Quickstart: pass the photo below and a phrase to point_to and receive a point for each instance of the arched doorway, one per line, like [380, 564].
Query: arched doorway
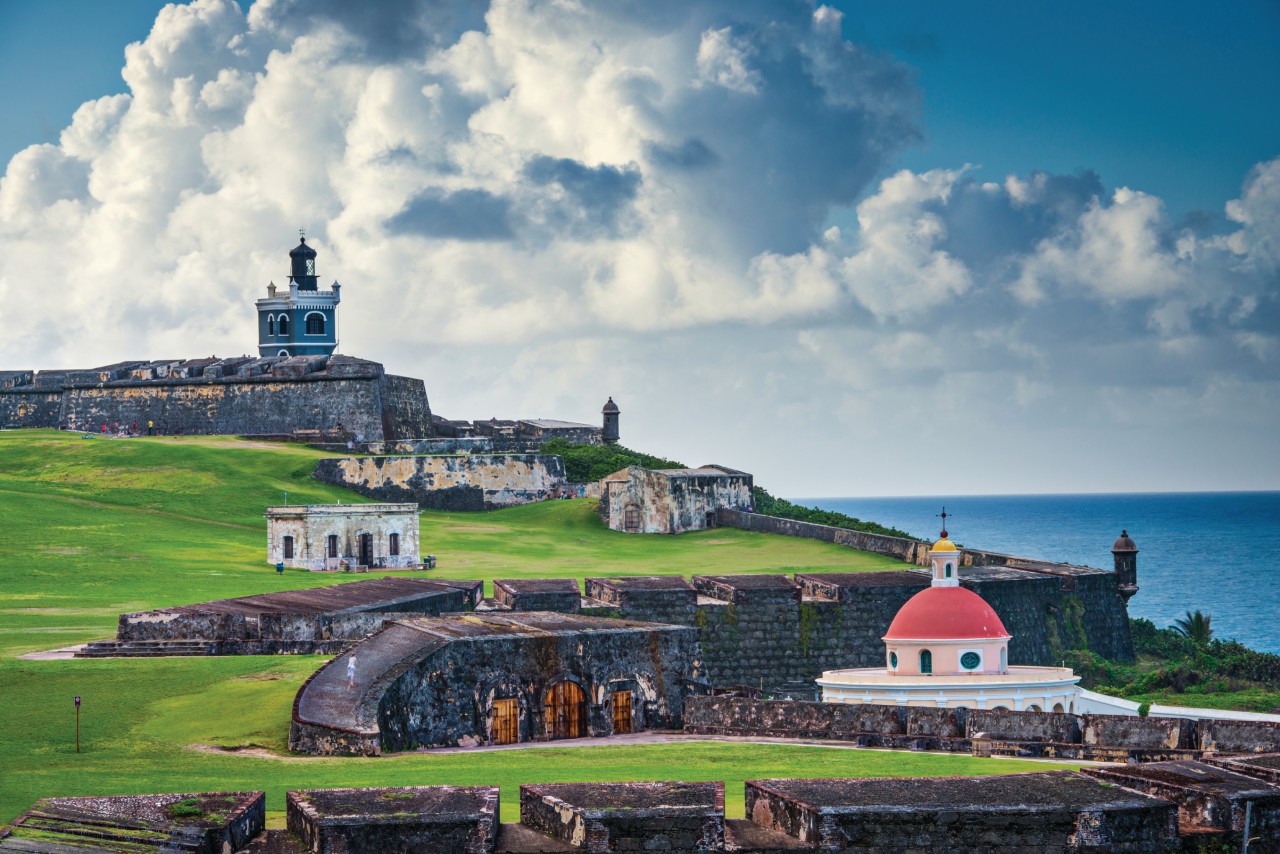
[566, 710]
[366, 550]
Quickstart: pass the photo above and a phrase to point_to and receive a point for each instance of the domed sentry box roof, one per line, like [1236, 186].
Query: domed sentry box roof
[610, 406]
[1124, 544]
[946, 613]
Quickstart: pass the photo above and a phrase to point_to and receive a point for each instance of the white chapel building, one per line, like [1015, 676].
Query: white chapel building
[947, 648]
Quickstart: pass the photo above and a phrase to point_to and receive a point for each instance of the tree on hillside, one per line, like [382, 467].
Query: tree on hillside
[1195, 626]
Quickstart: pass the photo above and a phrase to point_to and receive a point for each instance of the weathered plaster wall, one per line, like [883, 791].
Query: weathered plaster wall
[312, 526]
[472, 482]
[671, 504]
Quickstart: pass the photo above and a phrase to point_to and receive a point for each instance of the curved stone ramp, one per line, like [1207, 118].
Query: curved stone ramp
[331, 718]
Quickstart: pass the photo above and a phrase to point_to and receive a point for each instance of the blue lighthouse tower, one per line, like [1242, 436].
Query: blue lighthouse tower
[302, 321]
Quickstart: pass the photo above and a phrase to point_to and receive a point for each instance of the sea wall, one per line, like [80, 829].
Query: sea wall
[472, 482]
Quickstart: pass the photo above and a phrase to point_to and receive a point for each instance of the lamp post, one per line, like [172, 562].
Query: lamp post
[77, 724]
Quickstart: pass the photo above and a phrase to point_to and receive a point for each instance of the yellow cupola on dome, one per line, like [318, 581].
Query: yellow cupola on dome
[944, 545]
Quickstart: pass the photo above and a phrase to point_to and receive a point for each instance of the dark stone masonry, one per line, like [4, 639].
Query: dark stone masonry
[1054, 811]
[336, 396]
[629, 816]
[415, 818]
[481, 678]
[1163, 808]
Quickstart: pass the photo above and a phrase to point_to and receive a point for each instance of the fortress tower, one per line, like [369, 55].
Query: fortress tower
[1125, 552]
[609, 431]
[302, 321]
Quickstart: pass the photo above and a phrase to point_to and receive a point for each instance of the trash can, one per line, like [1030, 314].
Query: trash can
[280, 568]
[431, 561]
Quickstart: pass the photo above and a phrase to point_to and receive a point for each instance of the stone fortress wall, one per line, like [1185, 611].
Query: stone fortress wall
[276, 396]
[458, 482]
[774, 631]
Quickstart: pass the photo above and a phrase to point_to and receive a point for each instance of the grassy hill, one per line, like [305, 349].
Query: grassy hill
[90, 528]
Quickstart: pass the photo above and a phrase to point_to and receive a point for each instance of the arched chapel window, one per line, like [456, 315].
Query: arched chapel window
[926, 661]
[948, 570]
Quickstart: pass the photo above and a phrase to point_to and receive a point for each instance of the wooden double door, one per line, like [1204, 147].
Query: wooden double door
[566, 710]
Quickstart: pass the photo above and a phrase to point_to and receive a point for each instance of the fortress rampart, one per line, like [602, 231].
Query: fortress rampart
[470, 482]
[282, 396]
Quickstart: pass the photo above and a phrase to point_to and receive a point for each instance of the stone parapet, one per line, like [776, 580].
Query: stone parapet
[603, 817]
[439, 819]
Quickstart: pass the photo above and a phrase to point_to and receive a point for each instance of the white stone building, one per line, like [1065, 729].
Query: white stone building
[947, 648]
[341, 536]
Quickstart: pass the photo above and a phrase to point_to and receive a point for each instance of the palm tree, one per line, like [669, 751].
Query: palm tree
[1195, 626]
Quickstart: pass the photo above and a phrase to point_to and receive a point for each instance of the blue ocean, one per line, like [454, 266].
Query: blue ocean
[1212, 551]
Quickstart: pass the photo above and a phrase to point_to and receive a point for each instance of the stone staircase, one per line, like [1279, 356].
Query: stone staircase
[146, 649]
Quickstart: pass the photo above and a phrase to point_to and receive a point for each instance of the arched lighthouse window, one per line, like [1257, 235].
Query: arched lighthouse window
[315, 323]
[284, 325]
[271, 324]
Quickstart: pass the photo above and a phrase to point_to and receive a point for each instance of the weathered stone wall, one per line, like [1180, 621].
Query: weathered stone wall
[30, 408]
[242, 396]
[445, 698]
[1225, 736]
[472, 482]
[439, 819]
[406, 414]
[911, 551]
[604, 817]
[671, 503]
[1101, 737]
[1057, 811]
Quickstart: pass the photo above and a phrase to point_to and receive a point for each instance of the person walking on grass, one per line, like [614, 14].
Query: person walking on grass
[351, 673]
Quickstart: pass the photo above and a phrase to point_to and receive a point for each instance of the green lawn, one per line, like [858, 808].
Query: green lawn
[90, 528]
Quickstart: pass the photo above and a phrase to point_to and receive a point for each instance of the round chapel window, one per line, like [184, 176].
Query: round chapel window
[970, 661]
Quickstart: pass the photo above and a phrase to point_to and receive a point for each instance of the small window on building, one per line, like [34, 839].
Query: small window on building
[926, 661]
[315, 323]
[970, 661]
[1004, 660]
[948, 570]
[288, 548]
[631, 519]
[333, 545]
[393, 545]
[893, 660]
[284, 325]
[271, 324]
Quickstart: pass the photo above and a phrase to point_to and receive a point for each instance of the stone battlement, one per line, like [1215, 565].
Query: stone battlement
[336, 396]
[1164, 807]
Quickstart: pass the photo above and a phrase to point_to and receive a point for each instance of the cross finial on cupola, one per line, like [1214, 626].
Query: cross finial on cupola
[944, 514]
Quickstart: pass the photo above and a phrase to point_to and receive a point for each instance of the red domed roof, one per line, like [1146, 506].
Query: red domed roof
[946, 613]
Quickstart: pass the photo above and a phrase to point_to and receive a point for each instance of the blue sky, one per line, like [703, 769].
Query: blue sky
[1174, 98]
[750, 222]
